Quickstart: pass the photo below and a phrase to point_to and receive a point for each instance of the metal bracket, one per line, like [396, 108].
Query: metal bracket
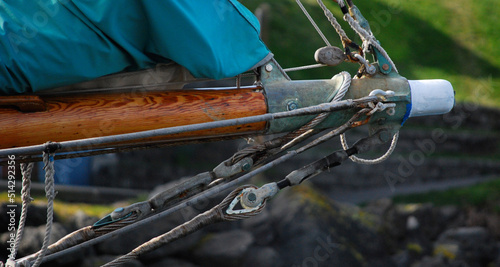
[384, 65]
[284, 95]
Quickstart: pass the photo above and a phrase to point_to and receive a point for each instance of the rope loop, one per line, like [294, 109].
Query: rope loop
[48, 160]
[244, 213]
[378, 160]
[26, 170]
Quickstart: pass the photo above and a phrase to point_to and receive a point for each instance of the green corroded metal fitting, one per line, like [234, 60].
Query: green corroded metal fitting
[382, 63]
[356, 14]
[283, 94]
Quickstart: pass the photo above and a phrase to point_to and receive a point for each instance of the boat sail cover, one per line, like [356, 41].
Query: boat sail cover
[49, 43]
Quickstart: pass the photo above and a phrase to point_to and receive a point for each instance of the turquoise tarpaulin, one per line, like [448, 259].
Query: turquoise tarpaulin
[49, 43]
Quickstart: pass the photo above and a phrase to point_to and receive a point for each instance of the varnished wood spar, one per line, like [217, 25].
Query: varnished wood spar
[28, 103]
[71, 117]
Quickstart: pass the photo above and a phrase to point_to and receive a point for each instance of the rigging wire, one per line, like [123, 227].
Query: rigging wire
[89, 142]
[307, 67]
[335, 24]
[209, 192]
[299, 3]
[368, 39]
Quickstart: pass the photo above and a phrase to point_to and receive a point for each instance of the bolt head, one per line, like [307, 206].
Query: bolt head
[269, 67]
[246, 167]
[292, 105]
[385, 67]
[252, 197]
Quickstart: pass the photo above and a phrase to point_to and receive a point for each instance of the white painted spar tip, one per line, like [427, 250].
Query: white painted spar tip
[431, 97]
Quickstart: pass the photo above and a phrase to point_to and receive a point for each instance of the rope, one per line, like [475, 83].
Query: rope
[87, 237]
[368, 38]
[307, 130]
[312, 22]
[214, 215]
[333, 21]
[48, 160]
[382, 158]
[96, 141]
[26, 198]
[258, 150]
[69, 240]
[121, 149]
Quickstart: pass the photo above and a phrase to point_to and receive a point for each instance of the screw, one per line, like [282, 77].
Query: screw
[246, 167]
[269, 67]
[292, 105]
[385, 67]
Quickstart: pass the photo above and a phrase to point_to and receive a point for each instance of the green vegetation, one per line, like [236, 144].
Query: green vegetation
[453, 40]
[483, 195]
[449, 251]
[65, 210]
[414, 247]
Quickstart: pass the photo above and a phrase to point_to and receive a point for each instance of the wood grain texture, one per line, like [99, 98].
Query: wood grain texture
[25, 103]
[71, 117]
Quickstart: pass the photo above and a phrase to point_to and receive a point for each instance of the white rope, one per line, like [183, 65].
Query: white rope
[346, 83]
[312, 22]
[26, 198]
[333, 20]
[345, 86]
[382, 158]
[368, 39]
[48, 160]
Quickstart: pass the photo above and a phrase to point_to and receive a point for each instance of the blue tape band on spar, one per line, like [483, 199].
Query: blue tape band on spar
[407, 114]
